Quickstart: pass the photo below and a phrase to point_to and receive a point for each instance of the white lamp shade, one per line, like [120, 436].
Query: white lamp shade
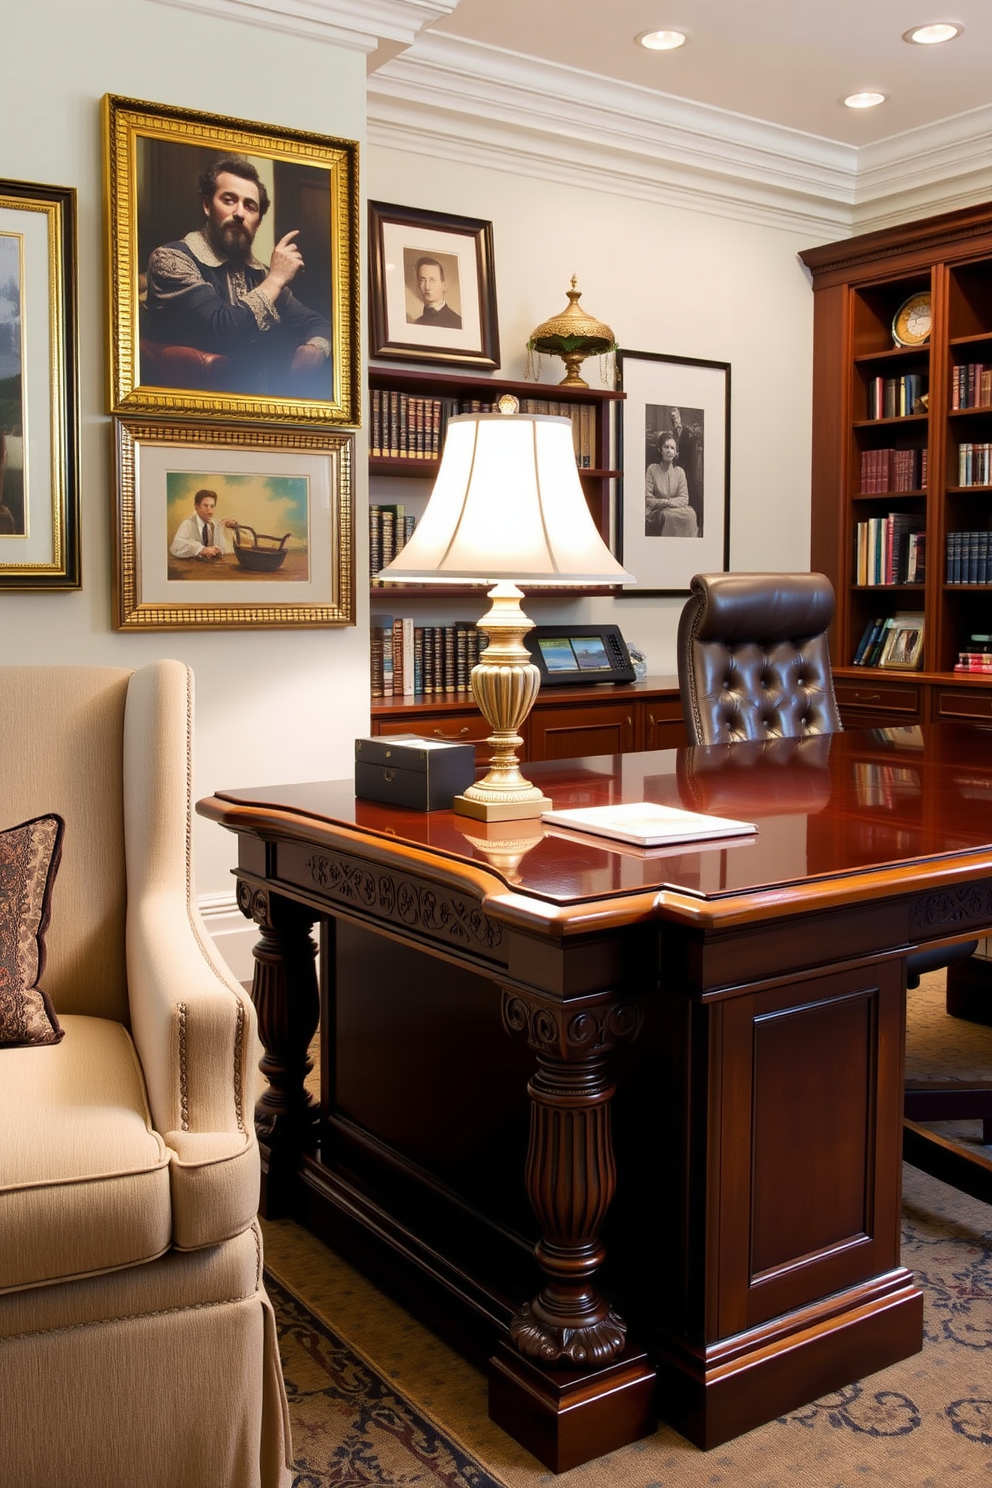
[507, 504]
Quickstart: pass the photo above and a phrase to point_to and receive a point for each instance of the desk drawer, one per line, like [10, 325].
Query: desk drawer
[455, 728]
[963, 702]
[873, 696]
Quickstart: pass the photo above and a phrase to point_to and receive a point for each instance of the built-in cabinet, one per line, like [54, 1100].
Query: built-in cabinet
[565, 722]
[903, 433]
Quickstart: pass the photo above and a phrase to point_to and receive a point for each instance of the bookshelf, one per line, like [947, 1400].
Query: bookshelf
[902, 459]
[408, 411]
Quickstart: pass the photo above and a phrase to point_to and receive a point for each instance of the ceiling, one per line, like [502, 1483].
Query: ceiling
[787, 62]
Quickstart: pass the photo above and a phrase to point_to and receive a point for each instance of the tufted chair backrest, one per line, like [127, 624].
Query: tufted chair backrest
[753, 658]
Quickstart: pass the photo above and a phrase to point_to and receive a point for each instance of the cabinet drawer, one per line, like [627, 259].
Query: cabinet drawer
[963, 702]
[457, 728]
[870, 695]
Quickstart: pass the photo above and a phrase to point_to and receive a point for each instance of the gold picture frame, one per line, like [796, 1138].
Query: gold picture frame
[903, 650]
[195, 328]
[279, 548]
[39, 491]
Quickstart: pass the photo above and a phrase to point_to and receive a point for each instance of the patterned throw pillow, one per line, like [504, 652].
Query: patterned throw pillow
[29, 860]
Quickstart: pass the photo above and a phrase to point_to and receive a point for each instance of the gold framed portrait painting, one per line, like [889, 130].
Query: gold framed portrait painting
[233, 267]
[221, 528]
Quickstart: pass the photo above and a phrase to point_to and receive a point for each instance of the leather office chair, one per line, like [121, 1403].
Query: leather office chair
[754, 664]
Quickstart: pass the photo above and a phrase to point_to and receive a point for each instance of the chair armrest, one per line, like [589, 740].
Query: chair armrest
[192, 1023]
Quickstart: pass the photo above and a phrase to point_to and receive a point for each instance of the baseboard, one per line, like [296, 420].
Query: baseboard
[230, 932]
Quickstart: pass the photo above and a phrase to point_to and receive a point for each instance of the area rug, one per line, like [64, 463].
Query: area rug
[376, 1399]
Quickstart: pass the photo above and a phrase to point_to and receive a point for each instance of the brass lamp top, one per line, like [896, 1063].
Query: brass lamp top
[573, 335]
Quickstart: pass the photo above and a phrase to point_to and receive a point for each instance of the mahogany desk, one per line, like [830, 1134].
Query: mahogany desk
[705, 1046]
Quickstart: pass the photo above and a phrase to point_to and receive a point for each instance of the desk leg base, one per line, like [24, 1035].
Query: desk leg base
[713, 1397]
[565, 1417]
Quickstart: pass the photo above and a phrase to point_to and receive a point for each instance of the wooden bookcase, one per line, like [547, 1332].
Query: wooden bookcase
[408, 479]
[859, 284]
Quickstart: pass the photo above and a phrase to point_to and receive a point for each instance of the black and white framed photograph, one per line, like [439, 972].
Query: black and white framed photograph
[432, 287]
[673, 509]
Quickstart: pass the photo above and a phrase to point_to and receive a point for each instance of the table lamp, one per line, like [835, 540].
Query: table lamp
[507, 508]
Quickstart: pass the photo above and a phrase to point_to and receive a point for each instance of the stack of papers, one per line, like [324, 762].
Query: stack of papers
[648, 825]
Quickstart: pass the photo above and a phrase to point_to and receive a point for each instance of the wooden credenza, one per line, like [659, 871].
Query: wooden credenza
[565, 722]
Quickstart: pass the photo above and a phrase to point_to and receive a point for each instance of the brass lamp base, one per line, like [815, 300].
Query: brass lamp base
[505, 684]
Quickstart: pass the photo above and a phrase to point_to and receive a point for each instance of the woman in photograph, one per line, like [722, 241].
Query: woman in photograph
[667, 512]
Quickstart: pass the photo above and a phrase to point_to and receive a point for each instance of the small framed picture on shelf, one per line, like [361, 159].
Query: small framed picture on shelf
[673, 517]
[234, 267]
[222, 528]
[432, 288]
[903, 650]
[39, 495]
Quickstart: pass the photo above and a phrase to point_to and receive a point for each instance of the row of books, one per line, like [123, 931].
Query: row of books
[884, 634]
[896, 397]
[974, 661]
[390, 526]
[405, 427]
[893, 470]
[409, 660]
[969, 557]
[971, 385]
[974, 464]
[890, 550]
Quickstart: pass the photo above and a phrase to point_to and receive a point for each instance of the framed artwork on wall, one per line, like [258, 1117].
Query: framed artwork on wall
[432, 287]
[39, 494]
[234, 272]
[673, 509]
[220, 528]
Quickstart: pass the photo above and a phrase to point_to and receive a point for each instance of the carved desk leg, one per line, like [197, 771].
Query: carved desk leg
[597, 1392]
[284, 991]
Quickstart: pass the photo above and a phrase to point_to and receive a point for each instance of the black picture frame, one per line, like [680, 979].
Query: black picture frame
[661, 538]
[39, 417]
[465, 332]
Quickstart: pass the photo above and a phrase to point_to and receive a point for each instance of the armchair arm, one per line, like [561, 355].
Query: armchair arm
[193, 1024]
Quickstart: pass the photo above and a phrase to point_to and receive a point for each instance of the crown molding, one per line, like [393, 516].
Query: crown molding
[923, 171]
[455, 99]
[359, 25]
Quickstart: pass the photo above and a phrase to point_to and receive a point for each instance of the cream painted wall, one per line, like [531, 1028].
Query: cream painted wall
[270, 706]
[666, 280]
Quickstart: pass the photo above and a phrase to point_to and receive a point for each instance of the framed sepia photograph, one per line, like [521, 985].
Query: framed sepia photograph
[221, 528]
[432, 287]
[39, 493]
[673, 508]
[234, 269]
[903, 649]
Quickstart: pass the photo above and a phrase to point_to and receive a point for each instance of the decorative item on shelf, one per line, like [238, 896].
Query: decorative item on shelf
[572, 335]
[507, 507]
[912, 322]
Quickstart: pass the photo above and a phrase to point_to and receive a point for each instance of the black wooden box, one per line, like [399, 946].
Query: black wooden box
[405, 770]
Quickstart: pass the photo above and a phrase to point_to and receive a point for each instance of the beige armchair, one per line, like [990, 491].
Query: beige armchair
[137, 1344]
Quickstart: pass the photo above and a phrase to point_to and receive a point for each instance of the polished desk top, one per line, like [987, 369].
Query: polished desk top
[871, 812]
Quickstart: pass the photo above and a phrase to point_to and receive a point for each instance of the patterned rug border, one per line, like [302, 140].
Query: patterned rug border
[474, 1474]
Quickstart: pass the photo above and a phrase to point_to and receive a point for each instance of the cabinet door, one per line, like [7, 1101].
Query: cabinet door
[660, 724]
[563, 732]
[456, 728]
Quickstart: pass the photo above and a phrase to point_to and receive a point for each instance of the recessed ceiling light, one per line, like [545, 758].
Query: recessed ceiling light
[661, 41]
[933, 34]
[863, 100]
